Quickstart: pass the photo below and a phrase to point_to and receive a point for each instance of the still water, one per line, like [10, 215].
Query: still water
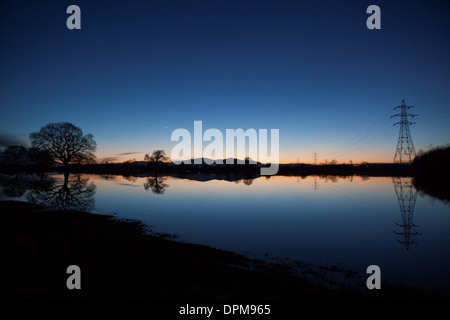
[350, 222]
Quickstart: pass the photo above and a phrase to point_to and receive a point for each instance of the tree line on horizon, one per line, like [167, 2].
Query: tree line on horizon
[65, 144]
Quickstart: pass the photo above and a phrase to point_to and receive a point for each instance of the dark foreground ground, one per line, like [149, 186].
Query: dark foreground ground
[118, 259]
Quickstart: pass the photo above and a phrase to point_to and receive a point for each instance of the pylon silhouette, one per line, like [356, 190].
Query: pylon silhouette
[405, 151]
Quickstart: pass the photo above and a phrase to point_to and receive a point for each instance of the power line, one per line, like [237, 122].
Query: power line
[362, 135]
[426, 106]
[369, 144]
[366, 140]
[441, 89]
[431, 107]
[433, 119]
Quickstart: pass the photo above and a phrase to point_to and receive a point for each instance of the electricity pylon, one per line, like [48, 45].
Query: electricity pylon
[405, 148]
[406, 196]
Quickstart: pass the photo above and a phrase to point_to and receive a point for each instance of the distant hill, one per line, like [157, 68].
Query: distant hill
[193, 161]
[224, 161]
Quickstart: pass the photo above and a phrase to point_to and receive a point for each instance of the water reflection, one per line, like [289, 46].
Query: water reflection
[76, 193]
[156, 184]
[14, 186]
[108, 176]
[406, 196]
[130, 178]
[316, 184]
[73, 193]
[319, 218]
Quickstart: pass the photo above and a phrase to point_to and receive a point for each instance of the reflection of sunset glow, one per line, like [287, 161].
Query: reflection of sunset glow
[314, 218]
[274, 184]
[285, 157]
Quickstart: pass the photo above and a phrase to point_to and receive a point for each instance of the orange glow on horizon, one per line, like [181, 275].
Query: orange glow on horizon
[283, 159]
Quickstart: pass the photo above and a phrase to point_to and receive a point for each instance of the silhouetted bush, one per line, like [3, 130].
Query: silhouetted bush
[435, 161]
[432, 171]
[20, 159]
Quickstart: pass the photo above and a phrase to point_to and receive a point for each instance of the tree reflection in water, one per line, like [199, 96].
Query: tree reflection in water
[74, 193]
[14, 186]
[17, 185]
[156, 184]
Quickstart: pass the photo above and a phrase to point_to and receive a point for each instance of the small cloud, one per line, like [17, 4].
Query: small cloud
[128, 153]
[117, 157]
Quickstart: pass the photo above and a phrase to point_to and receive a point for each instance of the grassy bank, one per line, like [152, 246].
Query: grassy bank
[119, 259]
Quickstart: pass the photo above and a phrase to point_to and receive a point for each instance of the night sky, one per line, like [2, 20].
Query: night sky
[137, 70]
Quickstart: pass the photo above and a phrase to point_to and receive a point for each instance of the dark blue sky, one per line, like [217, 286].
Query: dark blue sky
[137, 70]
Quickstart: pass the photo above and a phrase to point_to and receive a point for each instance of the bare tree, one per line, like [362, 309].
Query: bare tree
[65, 143]
[156, 157]
[333, 162]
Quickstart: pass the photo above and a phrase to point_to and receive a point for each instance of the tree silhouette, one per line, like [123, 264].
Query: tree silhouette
[65, 143]
[15, 156]
[333, 162]
[155, 158]
[39, 157]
